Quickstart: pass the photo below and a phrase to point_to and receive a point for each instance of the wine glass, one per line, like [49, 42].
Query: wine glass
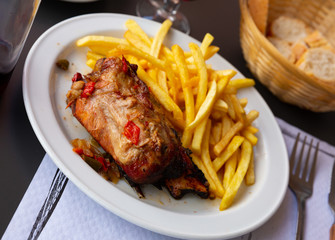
[160, 10]
[16, 19]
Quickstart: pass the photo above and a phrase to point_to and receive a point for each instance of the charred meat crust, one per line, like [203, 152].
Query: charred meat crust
[192, 180]
[120, 96]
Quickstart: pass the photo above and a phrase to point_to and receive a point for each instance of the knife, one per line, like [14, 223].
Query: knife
[55, 192]
[331, 202]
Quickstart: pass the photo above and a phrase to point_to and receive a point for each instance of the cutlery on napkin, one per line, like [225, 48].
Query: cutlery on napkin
[76, 216]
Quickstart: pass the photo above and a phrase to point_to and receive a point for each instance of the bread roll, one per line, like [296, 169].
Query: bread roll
[319, 63]
[259, 13]
[289, 29]
[283, 47]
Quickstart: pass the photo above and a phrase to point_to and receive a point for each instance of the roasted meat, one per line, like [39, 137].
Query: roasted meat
[121, 114]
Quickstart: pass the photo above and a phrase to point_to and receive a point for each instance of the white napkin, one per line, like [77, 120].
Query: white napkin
[76, 216]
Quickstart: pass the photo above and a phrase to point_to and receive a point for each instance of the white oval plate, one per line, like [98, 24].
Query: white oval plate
[44, 90]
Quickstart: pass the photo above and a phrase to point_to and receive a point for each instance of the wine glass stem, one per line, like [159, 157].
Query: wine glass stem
[171, 6]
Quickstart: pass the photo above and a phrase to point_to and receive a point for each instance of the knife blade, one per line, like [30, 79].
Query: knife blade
[331, 202]
[55, 192]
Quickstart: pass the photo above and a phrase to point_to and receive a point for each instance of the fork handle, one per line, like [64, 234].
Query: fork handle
[332, 232]
[301, 217]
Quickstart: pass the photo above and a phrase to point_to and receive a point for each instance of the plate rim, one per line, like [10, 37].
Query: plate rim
[83, 187]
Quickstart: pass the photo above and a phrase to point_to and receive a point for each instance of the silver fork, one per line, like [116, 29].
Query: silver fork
[301, 179]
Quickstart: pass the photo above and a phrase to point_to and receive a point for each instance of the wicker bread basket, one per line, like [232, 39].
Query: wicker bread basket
[281, 77]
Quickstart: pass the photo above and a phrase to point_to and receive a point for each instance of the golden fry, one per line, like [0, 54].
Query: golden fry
[230, 90]
[227, 137]
[94, 56]
[137, 30]
[181, 64]
[216, 132]
[167, 54]
[208, 162]
[198, 136]
[241, 83]
[161, 80]
[238, 109]
[220, 105]
[136, 41]
[188, 95]
[252, 129]
[229, 73]
[229, 169]
[231, 109]
[226, 124]
[250, 175]
[211, 50]
[206, 42]
[222, 84]
[228, 152]
[206, 107]
[243, 102]
[216, 115]
[158, 39]
[192, 68]
[127, 49]
[251, 116]
[203, 80]
[197, 161]
[192, 82]
[101, 50]
[91, 62]
[104, 41]
[153, 74]
[250, 136]
[228, 197]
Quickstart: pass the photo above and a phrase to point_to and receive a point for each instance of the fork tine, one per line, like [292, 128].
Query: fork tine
[306, 167]
[298, 168]
[311, 176]
[294, 150]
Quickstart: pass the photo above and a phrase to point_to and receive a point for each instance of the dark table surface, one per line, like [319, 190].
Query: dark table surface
[21, 152]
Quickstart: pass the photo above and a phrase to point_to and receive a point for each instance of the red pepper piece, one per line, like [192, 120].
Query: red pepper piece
[125, 65]
[88, 89]
[78, 150]
[132, 132]
[76, 77]
[103, 162]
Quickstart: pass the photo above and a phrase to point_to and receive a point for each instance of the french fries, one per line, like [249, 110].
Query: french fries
[187, 91]
[101, 41]
[246, 153]
[201, 102]
[158, 40]
[205, 108]
[202, 72]
[228, 152]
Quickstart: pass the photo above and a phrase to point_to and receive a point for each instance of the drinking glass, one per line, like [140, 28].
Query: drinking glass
[16, 18]
[160, 10]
